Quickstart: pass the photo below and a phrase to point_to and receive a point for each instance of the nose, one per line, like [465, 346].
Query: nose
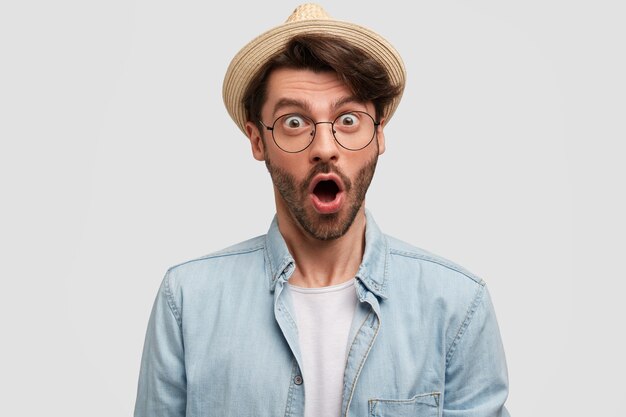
[324, 147]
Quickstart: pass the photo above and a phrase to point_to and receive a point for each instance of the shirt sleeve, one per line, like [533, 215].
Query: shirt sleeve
[162, 387]
[476, 373]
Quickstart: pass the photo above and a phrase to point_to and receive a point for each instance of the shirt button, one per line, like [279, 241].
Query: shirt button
[298, 380]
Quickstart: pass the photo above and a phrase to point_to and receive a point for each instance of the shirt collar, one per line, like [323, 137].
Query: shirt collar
[372, 271]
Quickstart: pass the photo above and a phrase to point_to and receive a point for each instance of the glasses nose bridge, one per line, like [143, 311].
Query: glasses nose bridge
[332, 128]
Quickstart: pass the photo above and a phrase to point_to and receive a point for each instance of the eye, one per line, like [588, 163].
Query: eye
[348, 120]
[294, 121]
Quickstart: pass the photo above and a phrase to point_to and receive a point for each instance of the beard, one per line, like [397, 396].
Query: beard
[295, 195]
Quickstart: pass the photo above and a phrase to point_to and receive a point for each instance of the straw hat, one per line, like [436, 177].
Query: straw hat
[306, 19]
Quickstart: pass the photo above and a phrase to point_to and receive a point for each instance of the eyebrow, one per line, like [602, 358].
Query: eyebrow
[289, 102]
[348, 99]
[305, 105]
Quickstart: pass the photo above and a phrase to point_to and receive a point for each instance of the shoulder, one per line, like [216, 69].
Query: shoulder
[408, 253]
[411, 262]
[217, 264]
[443, 291]
[249, 246]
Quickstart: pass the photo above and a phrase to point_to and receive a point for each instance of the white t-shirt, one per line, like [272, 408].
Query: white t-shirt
[324, 316]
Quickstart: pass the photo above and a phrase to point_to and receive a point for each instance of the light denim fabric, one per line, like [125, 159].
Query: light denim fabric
[222, 339]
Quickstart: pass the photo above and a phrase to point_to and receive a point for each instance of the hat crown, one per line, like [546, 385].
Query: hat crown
[308, 11]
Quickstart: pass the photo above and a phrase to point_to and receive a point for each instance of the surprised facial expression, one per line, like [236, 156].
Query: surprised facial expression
[321, 188]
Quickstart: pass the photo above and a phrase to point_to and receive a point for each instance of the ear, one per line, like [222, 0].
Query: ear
[256, 141]
[380, 137]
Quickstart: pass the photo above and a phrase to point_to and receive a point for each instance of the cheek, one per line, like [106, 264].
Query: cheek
[289, 163]
[357, 164]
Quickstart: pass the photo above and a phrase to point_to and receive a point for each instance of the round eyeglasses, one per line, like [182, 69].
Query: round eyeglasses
[294, 132]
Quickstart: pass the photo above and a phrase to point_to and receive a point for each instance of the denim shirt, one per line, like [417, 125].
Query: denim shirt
[222, 339]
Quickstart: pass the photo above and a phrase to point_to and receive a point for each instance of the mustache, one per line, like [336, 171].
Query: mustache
[326, 168]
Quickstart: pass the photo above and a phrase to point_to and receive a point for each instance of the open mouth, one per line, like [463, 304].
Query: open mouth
[326, 191]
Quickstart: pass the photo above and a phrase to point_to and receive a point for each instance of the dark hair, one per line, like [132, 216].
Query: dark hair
[364, 75]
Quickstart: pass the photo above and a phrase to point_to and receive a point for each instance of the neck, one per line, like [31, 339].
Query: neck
[321, 263]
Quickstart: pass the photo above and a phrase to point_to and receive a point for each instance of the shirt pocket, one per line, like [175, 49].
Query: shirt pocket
[422, 405]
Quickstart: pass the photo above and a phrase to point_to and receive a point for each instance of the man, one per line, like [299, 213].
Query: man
[325, 315]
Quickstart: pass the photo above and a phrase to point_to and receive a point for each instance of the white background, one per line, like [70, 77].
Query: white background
[118, 160]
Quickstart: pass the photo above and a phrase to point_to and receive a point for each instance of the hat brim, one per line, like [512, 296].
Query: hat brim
[256, 53]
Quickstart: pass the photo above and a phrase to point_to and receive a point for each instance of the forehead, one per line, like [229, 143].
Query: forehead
[316, 91]
[290, 79]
